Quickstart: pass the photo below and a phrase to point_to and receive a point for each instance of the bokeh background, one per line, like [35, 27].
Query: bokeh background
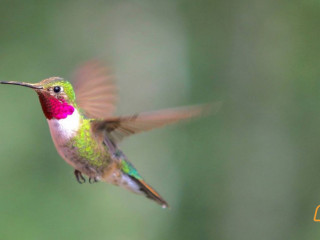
[249, 172]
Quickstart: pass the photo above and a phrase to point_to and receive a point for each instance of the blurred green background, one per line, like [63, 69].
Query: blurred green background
[249, 172]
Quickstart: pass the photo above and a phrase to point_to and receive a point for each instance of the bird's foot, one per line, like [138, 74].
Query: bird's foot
[79, 176]
[93, 180]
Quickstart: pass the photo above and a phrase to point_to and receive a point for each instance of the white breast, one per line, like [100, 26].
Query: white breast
[64, 129]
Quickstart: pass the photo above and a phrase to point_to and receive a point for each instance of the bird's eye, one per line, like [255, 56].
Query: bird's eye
[56, 89]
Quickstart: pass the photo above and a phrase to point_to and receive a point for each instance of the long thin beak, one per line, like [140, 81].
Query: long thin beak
[29, 85]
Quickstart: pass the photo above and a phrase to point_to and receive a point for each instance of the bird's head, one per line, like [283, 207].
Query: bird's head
[56, 96]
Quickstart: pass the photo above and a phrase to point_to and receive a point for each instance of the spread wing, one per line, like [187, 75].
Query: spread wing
[117, 128]
[95, 90]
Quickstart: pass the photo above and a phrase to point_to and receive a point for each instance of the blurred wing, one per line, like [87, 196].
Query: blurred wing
[118, 128]
[95, 90]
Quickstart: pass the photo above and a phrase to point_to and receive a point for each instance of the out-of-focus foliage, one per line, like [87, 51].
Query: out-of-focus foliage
[249, 172]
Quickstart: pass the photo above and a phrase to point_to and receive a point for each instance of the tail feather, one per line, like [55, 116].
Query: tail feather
[139, 185]
[150, 192]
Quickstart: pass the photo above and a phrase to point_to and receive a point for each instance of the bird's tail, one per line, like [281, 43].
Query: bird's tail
[132, 180]
[149, 192]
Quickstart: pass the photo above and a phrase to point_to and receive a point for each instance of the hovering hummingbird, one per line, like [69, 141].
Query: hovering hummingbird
[85, 132]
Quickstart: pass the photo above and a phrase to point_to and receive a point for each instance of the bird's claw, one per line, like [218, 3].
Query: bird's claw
[79, 176]
[81, 179]
[93, 180]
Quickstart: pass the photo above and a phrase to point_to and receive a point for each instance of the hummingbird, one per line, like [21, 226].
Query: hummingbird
[86, 133]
